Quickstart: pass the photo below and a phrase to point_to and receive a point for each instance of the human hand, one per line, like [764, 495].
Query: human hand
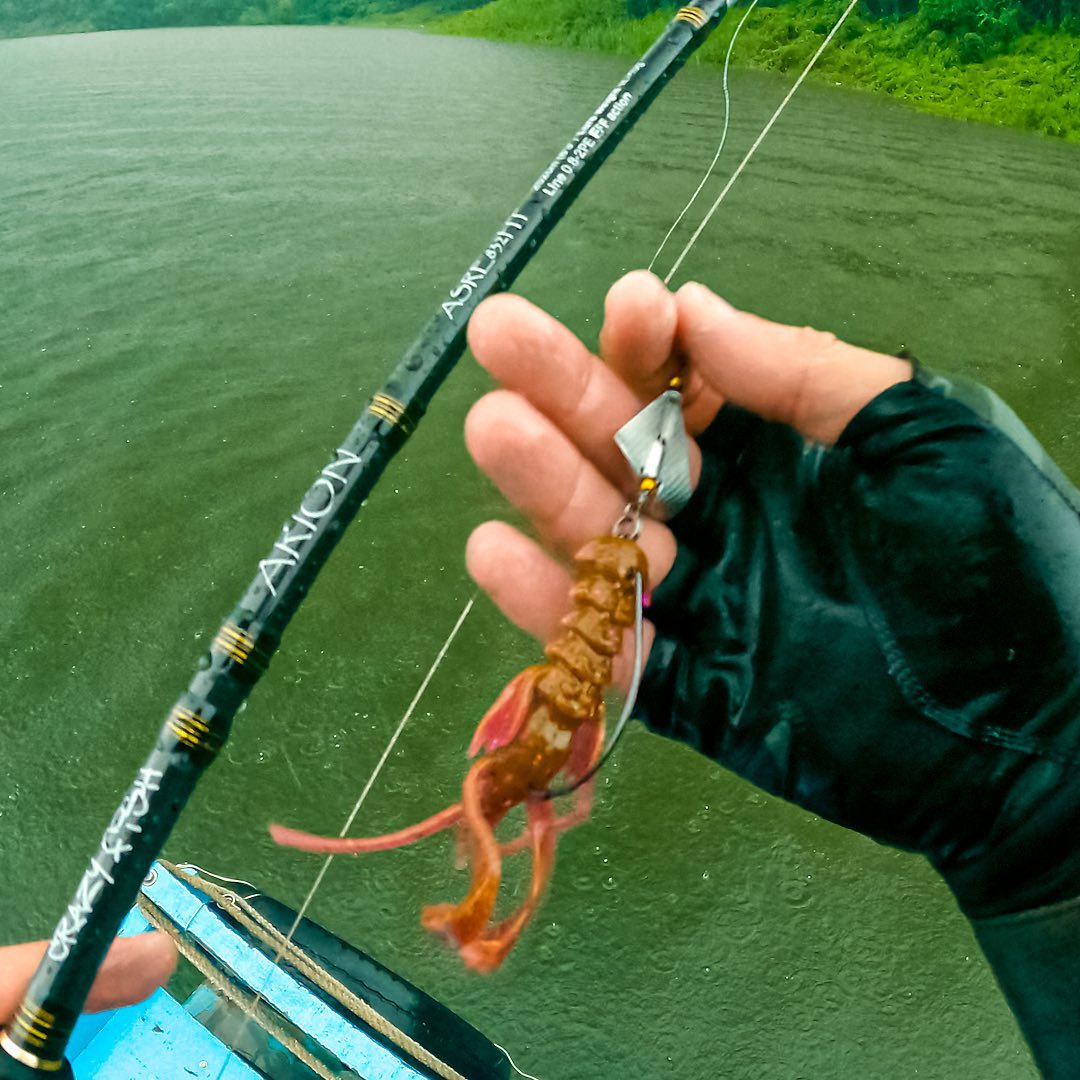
[133, 969]
[857, 608]
[547, 438]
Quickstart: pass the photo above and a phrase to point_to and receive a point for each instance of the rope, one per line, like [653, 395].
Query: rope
[760, 139]
[229, 990]
[264, 931]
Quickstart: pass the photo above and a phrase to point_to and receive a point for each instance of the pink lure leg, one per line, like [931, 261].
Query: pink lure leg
[502, 722]
[462, 922]
[355, 845]
[487, 952]
[586, 745]
[519, 843]
[579, 814]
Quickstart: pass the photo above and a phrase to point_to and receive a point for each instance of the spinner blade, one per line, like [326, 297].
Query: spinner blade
[655, 443]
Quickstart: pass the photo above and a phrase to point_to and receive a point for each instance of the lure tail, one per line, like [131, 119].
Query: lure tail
[359, 845]
[487, 950]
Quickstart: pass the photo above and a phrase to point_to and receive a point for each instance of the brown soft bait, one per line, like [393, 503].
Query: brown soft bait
[549, 720]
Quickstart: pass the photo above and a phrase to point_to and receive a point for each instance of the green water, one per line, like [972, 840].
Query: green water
[213, 245]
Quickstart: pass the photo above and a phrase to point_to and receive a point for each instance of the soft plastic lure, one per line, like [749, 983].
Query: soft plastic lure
[548, 720]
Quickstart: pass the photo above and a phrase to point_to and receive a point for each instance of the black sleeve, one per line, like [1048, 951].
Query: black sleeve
[887, 632]
[1035, 956]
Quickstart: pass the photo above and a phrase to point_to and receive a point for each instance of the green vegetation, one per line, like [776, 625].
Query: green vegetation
[1013, 62]
[1015, 70]
[19, 18]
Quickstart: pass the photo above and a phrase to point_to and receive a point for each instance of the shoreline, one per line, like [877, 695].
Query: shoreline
[1032, 85]
[1035, 86]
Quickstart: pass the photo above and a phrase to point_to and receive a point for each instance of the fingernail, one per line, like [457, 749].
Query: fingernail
[704, 295]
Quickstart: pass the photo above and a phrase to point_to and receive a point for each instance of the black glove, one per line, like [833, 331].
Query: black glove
[887, 632]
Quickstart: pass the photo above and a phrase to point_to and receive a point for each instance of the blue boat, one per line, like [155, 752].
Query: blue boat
[321, 1008]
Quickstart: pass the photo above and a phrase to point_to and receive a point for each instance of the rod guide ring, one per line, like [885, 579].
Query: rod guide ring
[24, 1057]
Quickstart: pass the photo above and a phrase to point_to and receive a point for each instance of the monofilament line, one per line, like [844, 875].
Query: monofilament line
[379, 765]
[671, 273]
[760, 139]
[317, 883]
[528, 1076]
[723, 139]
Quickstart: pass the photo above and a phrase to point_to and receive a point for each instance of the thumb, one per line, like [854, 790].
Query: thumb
[133, 969]
[792, 374]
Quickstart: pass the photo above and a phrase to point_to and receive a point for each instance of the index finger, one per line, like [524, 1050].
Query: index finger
[533, 354]
[640, 342]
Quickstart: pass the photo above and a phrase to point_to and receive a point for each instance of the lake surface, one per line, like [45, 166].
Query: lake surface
[213, 246]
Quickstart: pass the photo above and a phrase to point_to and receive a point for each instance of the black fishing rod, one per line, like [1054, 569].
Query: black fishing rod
[198, 724]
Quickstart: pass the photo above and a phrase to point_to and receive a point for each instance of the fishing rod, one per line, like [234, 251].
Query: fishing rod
[198, 724]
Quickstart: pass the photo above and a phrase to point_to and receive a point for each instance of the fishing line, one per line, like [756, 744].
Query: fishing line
[623, 719]
[631, 698]
[317, 883]
[635, 682]
[719, 150]
[760, 139]
[528, 1076]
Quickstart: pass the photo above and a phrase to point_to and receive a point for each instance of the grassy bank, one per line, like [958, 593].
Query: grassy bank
[1035, 85]
[962, 58]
